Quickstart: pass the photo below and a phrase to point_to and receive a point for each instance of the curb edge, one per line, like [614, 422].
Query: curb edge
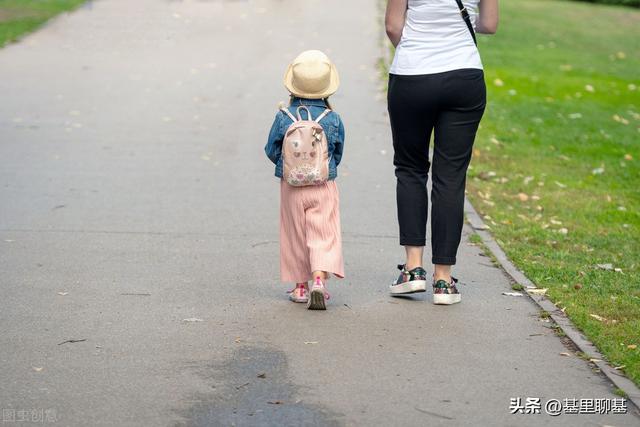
[561, 319]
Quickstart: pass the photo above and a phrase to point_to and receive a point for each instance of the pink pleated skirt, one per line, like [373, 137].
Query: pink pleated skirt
[310, 236]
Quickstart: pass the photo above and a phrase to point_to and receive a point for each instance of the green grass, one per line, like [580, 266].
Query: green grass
[18, 17]
[556, 164]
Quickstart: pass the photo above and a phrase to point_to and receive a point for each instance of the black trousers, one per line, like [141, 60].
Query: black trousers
[451, 105]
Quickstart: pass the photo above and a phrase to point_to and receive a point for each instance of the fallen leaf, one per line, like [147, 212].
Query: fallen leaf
[63, 293]
[620, 119]
[594, 360]
[565, 354]
[598, 318]
[37, 369]
[577, 286]
[597, 171]
[617, 368]
[632, 346]
[537, 291]
[512, 294]
[498, 82]
[607, 266]
[617, 270]
[628, 157]
[486, 175]
[561, 185]
[262, 375]
[589, 88]
[523, 197]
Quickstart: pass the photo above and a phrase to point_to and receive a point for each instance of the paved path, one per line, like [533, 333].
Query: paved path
[132, 181]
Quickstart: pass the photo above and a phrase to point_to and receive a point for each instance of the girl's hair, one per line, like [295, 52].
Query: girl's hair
[326, 101]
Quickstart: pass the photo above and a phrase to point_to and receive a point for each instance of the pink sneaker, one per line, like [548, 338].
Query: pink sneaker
[318, 296]
[299, 294]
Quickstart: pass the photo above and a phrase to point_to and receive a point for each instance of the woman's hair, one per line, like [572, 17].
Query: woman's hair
[326, 101]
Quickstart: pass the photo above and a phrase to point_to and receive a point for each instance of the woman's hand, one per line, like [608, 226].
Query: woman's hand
[394, 19]
[488, 19]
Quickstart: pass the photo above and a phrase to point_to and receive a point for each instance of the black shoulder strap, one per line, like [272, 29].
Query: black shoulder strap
[465, 15]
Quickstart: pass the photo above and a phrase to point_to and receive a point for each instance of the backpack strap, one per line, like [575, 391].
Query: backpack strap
[467, 20]
[323, 115]
[303, 107]
[288, 113]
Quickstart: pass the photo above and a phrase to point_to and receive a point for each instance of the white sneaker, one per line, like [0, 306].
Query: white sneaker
[446, 293]
[299, 294]
[409, 282]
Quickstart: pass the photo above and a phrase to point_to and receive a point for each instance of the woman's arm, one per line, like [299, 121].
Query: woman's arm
[394, 19]
[488, 19]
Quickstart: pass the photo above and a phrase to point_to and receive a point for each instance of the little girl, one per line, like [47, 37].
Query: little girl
[310, 242]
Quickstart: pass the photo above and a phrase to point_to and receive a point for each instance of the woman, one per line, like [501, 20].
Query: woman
[436, 83]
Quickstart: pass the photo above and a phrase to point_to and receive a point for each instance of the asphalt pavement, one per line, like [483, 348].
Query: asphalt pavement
[139, 241]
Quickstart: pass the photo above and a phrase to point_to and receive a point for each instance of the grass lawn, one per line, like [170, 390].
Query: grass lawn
[556, 168]
[18, 17]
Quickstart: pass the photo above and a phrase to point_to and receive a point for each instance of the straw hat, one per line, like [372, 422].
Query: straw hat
[312, 75]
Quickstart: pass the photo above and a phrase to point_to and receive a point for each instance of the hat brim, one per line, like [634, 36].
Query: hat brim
[334, 83]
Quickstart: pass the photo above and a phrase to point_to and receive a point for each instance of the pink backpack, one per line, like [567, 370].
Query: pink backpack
[305, 152]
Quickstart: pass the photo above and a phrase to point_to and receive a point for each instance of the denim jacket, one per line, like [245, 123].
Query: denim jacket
[332, 125]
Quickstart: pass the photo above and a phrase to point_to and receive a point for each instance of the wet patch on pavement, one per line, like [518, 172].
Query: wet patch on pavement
[252, 388]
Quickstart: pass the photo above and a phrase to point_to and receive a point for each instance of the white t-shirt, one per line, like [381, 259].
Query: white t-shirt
[436, 39]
